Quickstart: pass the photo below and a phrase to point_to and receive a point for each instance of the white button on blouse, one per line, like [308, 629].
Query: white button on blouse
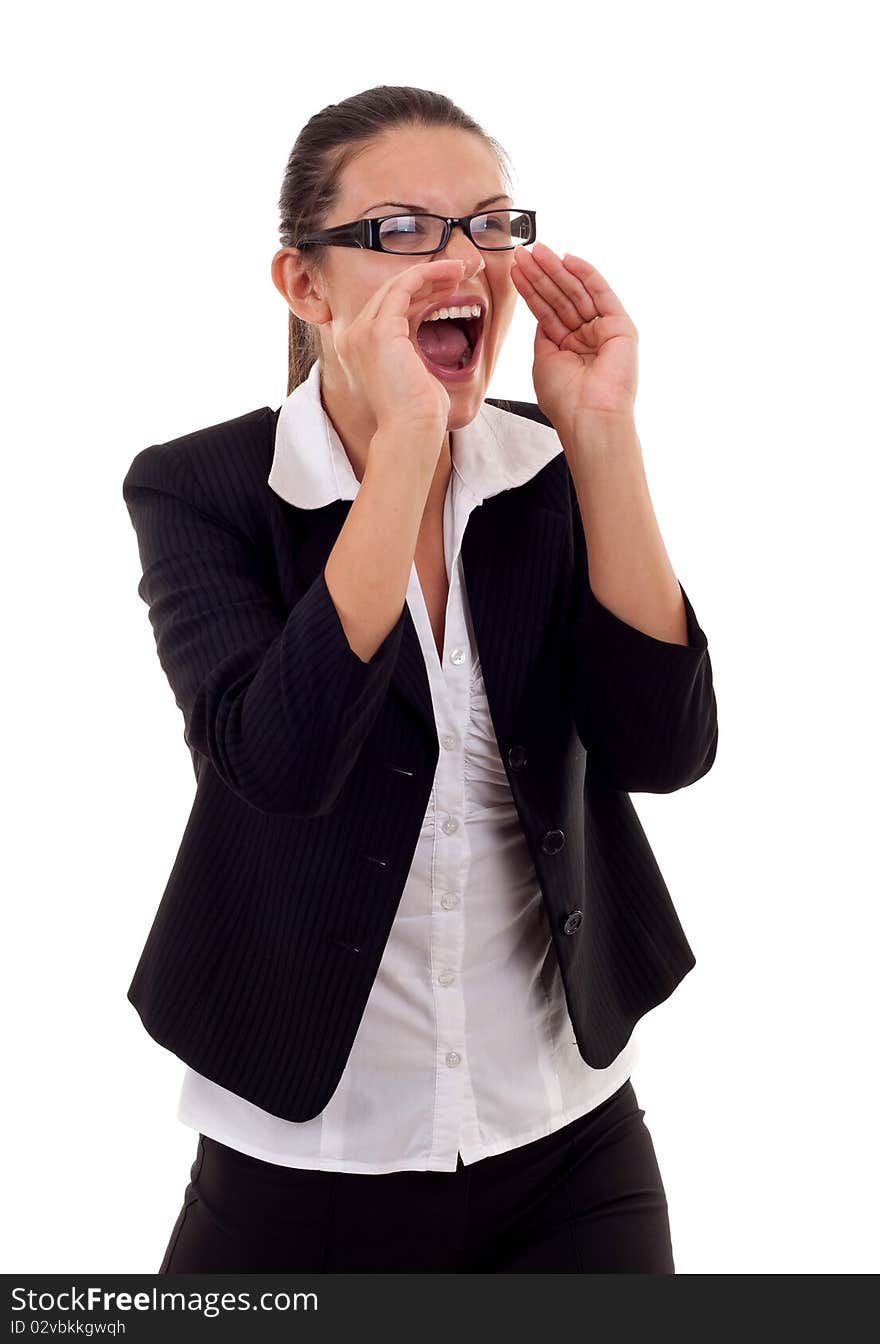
[466, 1046]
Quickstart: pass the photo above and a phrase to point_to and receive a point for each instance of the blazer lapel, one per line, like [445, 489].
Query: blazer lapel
[511, 568]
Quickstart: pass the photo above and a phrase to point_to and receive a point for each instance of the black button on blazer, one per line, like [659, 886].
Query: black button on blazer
[314, 768]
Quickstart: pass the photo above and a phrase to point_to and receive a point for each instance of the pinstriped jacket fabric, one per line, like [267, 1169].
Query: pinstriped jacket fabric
[314, 768]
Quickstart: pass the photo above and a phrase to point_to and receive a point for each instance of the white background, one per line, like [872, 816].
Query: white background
[716, 164]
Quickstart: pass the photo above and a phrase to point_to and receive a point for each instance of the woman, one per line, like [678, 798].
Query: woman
[414, 918]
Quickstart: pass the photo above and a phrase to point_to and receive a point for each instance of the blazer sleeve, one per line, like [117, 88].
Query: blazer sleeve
[644, 708]
[276, 700]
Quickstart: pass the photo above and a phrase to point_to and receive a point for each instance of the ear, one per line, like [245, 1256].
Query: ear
[295, 282]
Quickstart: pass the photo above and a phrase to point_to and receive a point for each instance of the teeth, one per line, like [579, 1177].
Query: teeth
[469, 310]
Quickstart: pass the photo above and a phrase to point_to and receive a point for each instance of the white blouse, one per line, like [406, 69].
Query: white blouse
[465, 1046]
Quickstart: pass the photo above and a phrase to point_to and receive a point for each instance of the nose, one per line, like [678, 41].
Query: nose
[460, 248]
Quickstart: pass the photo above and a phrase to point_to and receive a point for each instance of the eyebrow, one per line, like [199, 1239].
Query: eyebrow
[408, 205]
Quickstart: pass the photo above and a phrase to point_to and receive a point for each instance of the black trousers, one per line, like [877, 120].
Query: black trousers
[588, 1199]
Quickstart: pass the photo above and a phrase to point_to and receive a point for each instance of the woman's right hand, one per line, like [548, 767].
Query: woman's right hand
[377, 351]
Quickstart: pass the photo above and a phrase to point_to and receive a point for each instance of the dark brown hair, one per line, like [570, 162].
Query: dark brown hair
[324, 147]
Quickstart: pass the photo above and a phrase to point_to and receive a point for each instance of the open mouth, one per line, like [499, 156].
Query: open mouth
[450, 346]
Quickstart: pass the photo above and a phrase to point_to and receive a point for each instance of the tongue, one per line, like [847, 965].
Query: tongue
[443, 341]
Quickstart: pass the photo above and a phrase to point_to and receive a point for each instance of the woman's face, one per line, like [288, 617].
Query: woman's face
[443, 171]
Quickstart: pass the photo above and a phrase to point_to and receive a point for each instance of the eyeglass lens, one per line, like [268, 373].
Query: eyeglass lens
[424, 233]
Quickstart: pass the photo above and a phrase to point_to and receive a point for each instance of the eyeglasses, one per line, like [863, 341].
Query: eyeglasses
[418, 235]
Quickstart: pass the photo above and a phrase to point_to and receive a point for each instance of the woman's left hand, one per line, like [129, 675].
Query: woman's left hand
[585, 368]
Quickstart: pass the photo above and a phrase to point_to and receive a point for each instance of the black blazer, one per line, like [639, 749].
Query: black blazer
[314, 768]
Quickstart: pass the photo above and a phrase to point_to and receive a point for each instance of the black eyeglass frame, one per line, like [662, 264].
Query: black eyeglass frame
[365, 232]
